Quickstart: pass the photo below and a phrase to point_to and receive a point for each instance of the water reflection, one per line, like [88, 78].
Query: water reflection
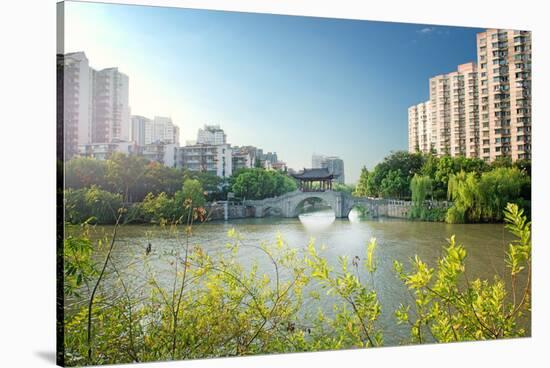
[318, 220]
[355, 216]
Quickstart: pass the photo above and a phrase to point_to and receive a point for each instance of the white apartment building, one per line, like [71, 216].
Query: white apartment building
[103, 151]
[111, 112]
[211, 134]
[159, 130]
[215, 159]
[420, 128]
[137, 129]
[165, 154]
[77, 100]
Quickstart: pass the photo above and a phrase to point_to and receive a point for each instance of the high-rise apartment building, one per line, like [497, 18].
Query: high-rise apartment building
[335, 166]
[483, 110]
[211, 134]
[317, 161]
[504, 58]
[77, 101]
[159, 130]
[138, 128]
[453, 111]
[420, 128]
[111, 112]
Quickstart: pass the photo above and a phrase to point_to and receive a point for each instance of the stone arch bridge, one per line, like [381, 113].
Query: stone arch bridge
[287, 205]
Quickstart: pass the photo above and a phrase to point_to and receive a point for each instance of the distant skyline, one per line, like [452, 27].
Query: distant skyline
[290, 84]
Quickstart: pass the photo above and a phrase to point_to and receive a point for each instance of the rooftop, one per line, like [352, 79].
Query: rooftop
[313, 174]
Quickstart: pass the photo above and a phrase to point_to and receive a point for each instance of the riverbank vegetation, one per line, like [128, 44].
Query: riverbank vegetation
[477, 191]
[214, 306]
[452, 189]
[152, 191]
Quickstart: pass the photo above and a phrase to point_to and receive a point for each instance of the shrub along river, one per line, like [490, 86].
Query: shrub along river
[397, 240]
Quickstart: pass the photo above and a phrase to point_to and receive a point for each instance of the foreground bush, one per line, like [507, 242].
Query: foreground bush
[448, 306]
[217, 307]
[91, 205]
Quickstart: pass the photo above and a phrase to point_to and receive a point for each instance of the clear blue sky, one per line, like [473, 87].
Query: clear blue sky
[294, 85]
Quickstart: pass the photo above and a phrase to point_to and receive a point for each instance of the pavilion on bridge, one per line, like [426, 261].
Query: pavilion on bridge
[308, 179]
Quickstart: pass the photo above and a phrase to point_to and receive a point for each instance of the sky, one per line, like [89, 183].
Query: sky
[289, 84]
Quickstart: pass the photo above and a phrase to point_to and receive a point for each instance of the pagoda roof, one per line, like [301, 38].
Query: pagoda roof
[314, 174]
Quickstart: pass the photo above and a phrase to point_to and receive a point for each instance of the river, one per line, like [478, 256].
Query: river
[397, 240]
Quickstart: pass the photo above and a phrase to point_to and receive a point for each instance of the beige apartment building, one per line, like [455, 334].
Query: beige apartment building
[504, 59]
[482, 110]
[453, 103]
[420, 128]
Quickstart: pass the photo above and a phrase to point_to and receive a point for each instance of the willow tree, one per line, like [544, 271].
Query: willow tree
[421, 188]
[463, 190]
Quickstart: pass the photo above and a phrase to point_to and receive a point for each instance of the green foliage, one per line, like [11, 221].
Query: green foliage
[355, 326]
[464, 192]
[163, 208]
[193, 192]
[392, 176]
[338, 187]
[214, 306]
[91, 205]
[484, 198]
[421, 188]
[448, 307]
[218, 307]
[77, 262]
[214, 186]
[362, 188]
[125, 172]
[393, 185]
[82, 172]
[447, 166]
[259, 184]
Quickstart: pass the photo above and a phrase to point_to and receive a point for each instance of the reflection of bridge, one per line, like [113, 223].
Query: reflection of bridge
[287, 205]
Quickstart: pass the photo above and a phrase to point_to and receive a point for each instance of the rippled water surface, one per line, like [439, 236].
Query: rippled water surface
[397, 240]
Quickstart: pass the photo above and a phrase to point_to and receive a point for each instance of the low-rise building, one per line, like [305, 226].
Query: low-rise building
[215, 159]
[165, 154]
[103, 151]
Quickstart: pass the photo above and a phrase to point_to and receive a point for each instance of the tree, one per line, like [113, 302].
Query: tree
[463, 190]
[448, 166]
[82, 172]
[193, 192]
[502, 161]
[421, 187]
[214, 186]
[362, 188]
[125, 172]
[93, 205]
[259, 184]
[403, 163]
[499, 187]
[393, 185]
[485, 197]
[338, 187]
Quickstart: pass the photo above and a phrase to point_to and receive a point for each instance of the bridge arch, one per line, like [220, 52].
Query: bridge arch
[287, 205]
[312, 199]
